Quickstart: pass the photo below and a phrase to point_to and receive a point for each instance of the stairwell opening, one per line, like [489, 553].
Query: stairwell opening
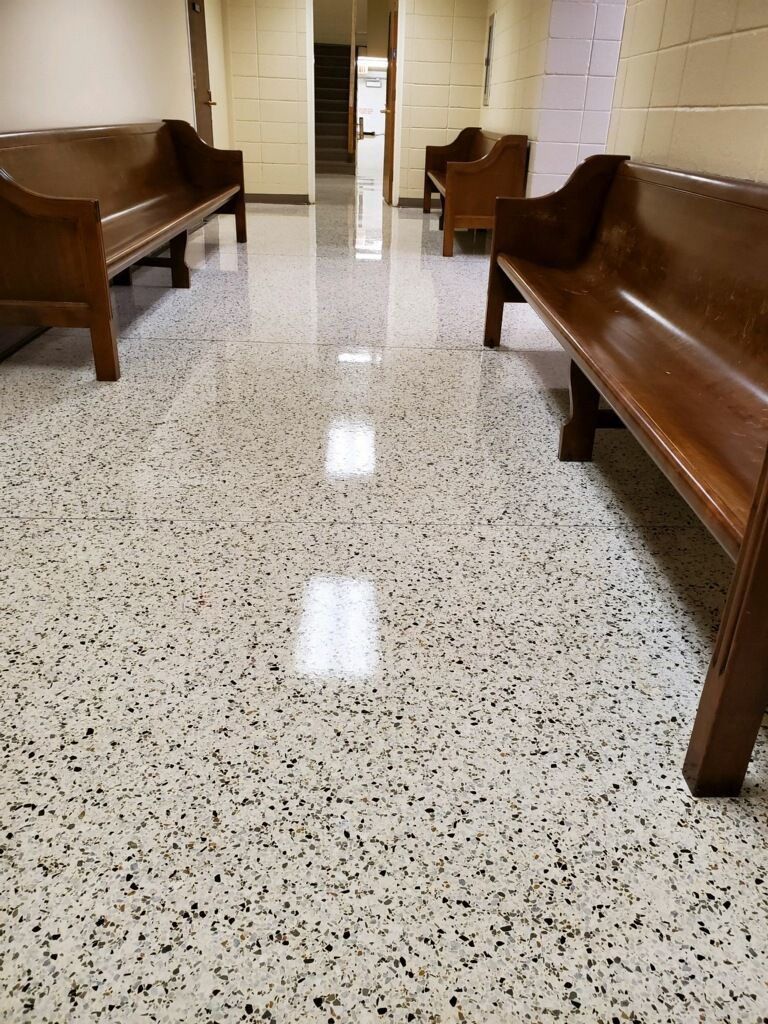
[332, 102]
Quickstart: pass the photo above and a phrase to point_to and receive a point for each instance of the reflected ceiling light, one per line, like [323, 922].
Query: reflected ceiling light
[354, 357]
[338, 633]
[351, 449]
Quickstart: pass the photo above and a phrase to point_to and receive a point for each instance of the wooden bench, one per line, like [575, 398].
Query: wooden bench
[80, 206]
[469, 174]
[656, 284]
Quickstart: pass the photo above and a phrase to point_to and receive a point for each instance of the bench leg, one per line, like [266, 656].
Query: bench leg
[179, 268]
[123, 278]
[104, 345]
[577, 437]
[241, 229]
[500, 291]
[427, 207]
[448, 229]
[735, 692]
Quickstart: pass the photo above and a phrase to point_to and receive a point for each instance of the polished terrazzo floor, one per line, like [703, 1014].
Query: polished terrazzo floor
[328, 693]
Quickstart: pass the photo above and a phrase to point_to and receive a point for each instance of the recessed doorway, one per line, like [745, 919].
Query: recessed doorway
[353, 90]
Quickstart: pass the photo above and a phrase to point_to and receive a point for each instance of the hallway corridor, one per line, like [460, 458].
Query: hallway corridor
[335, 697]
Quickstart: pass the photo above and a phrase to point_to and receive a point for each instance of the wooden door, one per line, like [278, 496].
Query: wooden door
[201, 82]
[389, 121]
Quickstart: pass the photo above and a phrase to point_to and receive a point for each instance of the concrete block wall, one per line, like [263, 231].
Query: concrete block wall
[552, 78]
[692, 89]
[521, 33]
[576, 88]
[442, 79]
[266, 42]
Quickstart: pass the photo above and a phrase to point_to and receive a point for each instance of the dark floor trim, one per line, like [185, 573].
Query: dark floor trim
[285, 200]
[412, 204]
[9, 349]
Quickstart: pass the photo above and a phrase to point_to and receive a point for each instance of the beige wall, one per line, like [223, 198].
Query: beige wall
[267, 64]
[692, 89]
[521, 31]
[66, 63]
[217, 71]
[442, 79]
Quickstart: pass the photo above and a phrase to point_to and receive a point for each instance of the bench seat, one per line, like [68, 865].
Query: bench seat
[130, 233]
[80, 206]
[659, 379]
[654, 282]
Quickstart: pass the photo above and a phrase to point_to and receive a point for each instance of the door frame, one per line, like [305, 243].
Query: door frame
[397, 119]
[310, 57]
[196, 68]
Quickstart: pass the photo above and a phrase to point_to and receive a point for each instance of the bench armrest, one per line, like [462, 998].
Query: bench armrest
[555, 230]
[506, 166]
[52, 250]
[437, 157]
[205, 166]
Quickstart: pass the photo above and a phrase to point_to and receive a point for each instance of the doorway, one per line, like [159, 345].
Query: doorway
[368, 90]
[371, 117]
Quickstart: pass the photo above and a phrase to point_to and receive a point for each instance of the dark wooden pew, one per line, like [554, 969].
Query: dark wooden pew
[656, 283]
[81, 206]
[469, 174]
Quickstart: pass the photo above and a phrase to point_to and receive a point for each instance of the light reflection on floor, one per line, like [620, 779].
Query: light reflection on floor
[338, 631]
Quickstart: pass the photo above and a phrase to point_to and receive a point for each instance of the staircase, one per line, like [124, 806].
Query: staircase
[332, 109]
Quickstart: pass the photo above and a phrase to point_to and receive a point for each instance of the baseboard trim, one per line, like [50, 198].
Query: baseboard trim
[7, 350]
[411, 204]
[284, 200]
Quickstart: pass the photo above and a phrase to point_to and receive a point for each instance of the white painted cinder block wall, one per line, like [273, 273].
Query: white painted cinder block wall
[576, 90]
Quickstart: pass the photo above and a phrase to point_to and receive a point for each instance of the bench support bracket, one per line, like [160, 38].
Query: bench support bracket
[179, 268]
[577, 436]
[123, 278]
[176, 263]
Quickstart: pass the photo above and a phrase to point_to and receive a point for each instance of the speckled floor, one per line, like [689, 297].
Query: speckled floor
[328, 693]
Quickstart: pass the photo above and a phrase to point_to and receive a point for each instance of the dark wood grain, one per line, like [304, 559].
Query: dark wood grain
[469, 174]
[81, 206]
[653, 280]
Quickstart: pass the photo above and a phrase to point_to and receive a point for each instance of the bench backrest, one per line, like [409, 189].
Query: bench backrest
[121, 165]
[693, 251]
[482, 144]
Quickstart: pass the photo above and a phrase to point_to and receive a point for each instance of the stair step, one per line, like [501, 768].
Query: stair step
[335, 168]
[329, 105]
[331, 152]
[334, 117]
